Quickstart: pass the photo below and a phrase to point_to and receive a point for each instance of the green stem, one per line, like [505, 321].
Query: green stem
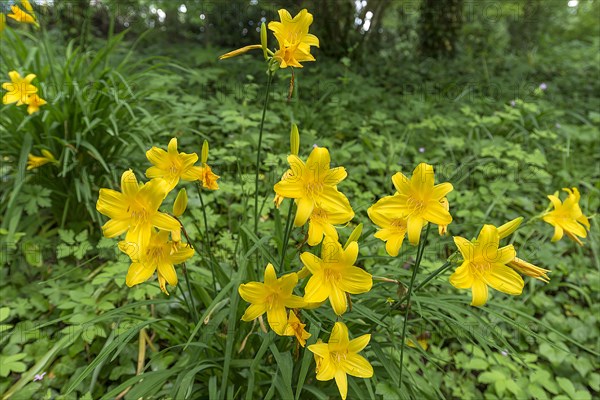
[194, 312]
[286, 237]
[420, 252]
[260, 135]
[187, 304]
[206, 241]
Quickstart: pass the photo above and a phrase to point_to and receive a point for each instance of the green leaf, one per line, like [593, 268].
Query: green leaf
[566, 385]
[477, 364]
[11, 363]
[4, 313]
[536, 391]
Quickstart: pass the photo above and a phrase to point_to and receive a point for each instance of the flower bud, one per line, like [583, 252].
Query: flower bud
[204, 157]
[294, 140]
[508, 228]
[180, 203]
[355, 235]
[263, 40]
[241, 51]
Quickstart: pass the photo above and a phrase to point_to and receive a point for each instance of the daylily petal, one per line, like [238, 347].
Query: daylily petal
[466, 248]
[277, 318]
[355, 281]
[115, 227]
[310, 261]
[441, 190]
[327, 370]
[338, 340]
[437, 214]
[316, 289]
[504, 279]
[165, 222]
[462, 278]
[138, 273]
[358, 366]
[401, 182]
[253, 292]
[270, 277]
[423, 178]
[315, 233]
[304, 207]
[341, 380]
[358, 344]
[168, 272]
[254, 311]
[414, 227]
[129, 184]
[479, 293]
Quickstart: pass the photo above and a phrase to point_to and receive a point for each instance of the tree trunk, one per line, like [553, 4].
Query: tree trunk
[440, 23]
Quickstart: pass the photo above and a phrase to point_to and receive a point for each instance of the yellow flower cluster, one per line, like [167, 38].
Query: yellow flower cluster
[417, 202]
[333, 276]
[153, 238]
[22, 91]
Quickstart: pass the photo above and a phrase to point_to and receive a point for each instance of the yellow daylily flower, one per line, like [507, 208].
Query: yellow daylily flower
[293, 38]
[135, 210]
[321, 222]
[18, 88]
[339, 358]
[204, 173]
[37, 161]
[312, 184]
[392, 232]
[159, 255]
[295, 327]
[208, 178]
[485, 265]
[418, 200]
[171, 165]
[334, 275]
[567, 218]
[21, 16]
[34, 102]
[272, 297]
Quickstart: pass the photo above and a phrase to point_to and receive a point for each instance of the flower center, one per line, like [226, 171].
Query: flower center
[482, 267]
[416, 205]
[337, 356]
[155, 253]
[139, 215]
[313, 189]
[319, 215]
[331, 275]
[271, 300]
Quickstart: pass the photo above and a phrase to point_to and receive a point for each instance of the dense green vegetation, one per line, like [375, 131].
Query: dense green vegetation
[509, 116]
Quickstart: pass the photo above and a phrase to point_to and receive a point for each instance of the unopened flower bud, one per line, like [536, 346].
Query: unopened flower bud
[180, 203]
